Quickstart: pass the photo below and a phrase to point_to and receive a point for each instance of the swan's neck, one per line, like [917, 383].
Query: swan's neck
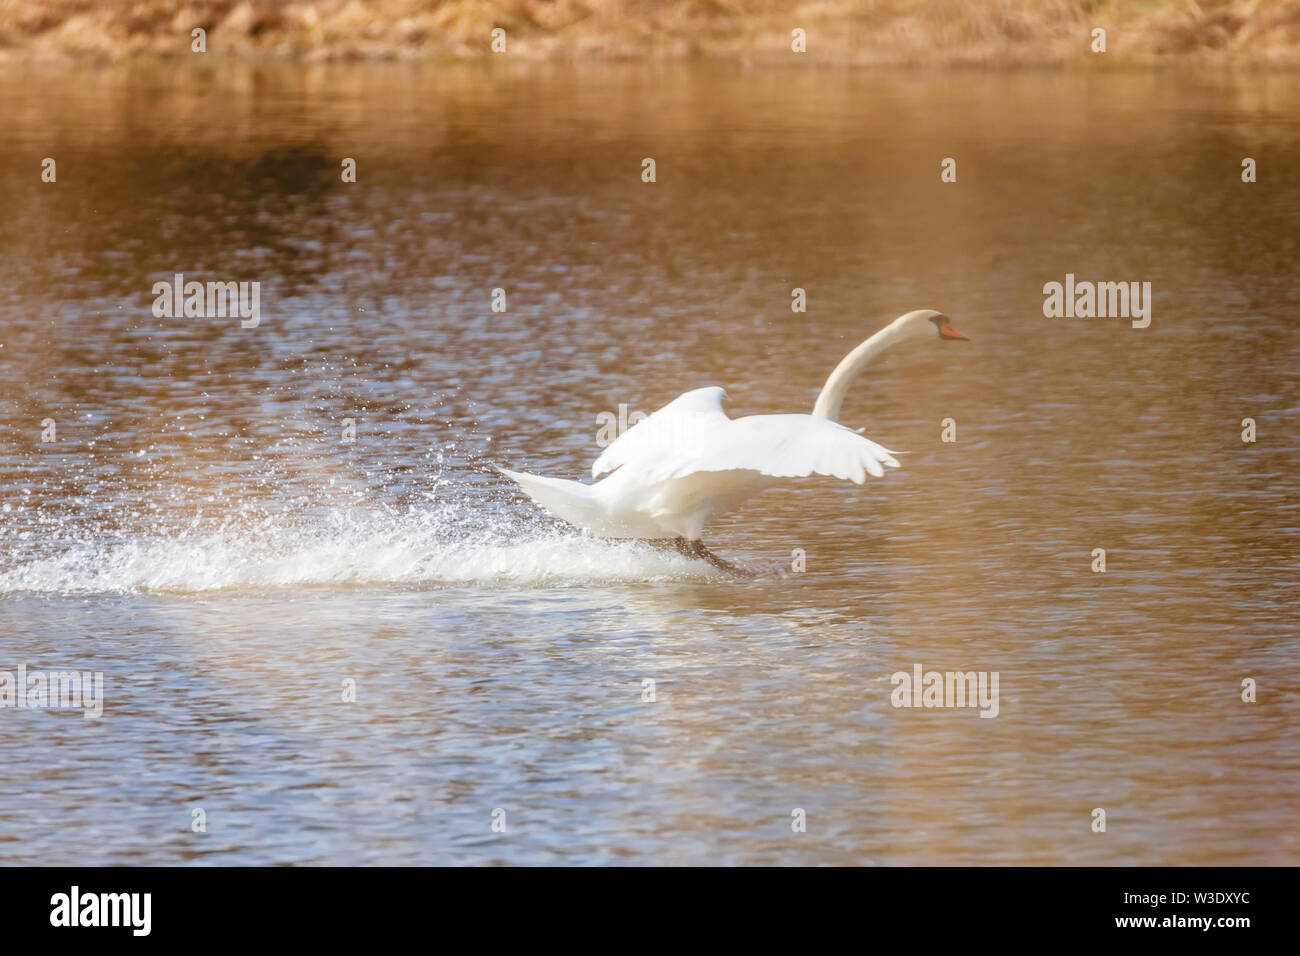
[850, 367]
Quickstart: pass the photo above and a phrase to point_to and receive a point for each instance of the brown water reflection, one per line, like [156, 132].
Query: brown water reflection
[200, 533]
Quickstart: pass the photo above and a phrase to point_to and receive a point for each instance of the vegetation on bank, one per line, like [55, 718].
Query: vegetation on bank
[988, 32]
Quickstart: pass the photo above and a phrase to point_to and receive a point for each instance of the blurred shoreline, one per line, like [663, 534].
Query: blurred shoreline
[987, 33]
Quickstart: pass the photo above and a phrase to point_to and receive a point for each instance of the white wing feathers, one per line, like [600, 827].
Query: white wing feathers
[687, 415]
[693, 434]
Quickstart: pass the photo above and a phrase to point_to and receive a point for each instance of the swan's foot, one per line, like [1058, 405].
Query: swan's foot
[696, 549]
[664, 544]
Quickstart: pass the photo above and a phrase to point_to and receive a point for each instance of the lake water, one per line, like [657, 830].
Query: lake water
[199, 531]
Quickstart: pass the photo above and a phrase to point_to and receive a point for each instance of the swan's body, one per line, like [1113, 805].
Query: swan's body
[671, 474]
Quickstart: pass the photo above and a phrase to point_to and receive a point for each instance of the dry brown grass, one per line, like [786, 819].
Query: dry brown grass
[991, 32]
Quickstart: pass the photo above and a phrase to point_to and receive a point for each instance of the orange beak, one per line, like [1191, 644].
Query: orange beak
[946, 331]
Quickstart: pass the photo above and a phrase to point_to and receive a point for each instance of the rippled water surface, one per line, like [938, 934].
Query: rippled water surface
[201, 534]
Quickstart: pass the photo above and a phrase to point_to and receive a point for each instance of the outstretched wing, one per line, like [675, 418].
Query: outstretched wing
[784, 446]
[667, 431]
[692, 434]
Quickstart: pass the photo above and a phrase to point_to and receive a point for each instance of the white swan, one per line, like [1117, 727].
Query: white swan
[672, 473]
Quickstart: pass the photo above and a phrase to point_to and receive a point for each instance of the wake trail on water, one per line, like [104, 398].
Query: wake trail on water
[195, 506]
[354, 546]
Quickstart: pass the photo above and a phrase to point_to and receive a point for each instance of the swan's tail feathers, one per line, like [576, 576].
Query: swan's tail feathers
[571, 500]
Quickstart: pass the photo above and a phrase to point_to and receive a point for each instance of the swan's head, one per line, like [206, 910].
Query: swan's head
[927, 324]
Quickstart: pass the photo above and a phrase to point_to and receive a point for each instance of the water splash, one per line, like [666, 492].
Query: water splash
[379, 546]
